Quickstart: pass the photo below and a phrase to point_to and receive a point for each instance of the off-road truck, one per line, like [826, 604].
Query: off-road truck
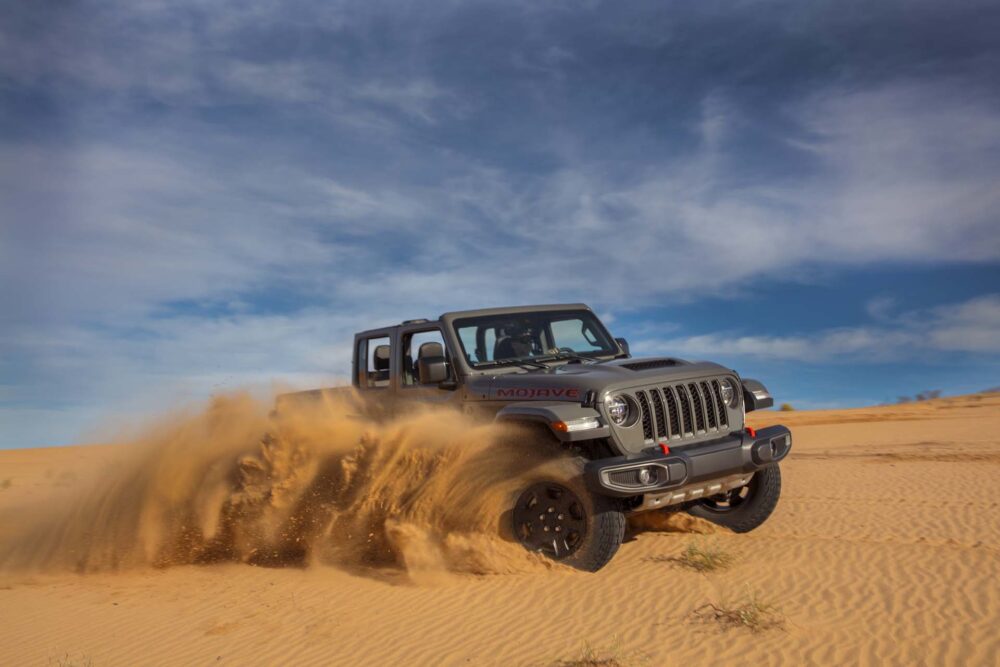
[642, 434]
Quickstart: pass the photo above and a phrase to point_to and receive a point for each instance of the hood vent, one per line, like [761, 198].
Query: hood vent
[650, 364]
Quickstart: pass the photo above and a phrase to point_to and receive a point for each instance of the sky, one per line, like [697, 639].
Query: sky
[197, 197]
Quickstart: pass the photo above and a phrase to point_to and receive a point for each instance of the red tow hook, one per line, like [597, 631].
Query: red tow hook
[751, 431]
[664, 448]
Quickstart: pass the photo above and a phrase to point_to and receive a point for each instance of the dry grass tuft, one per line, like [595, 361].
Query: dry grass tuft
[708, 556]
[753, 614]
[705, 557]
[610, 656]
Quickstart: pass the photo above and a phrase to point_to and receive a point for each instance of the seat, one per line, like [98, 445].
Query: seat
[508, 347]
[428, 352]
[430, 349]
[380, 361]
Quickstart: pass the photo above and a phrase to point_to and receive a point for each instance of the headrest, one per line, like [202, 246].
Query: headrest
[430, 350]
[380, 358]
[517, 330]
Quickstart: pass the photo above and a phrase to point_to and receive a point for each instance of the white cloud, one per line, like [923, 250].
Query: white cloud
[970, 327]
[420, 98]
[907, 172]
[880, 307]
[973, 326]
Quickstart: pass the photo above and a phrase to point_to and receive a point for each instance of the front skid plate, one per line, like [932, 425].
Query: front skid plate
[652, 501]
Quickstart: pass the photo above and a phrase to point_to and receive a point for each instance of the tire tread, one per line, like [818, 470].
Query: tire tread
[609, 532]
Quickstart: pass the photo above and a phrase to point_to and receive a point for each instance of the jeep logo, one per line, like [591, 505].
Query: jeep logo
[531, 393]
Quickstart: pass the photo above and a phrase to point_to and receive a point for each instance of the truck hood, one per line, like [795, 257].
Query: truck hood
[572, 381]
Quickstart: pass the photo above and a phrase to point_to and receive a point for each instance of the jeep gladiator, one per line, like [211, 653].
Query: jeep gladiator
[643, 434]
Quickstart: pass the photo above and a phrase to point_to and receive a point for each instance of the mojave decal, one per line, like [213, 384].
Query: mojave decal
[531, 393]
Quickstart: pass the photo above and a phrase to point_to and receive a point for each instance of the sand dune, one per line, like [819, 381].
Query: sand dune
[885, 549]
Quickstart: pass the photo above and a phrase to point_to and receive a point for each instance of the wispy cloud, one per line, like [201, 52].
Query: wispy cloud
[969, 327]
[420, 98]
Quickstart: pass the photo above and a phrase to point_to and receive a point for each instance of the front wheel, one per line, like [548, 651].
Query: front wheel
[743, 509]
[558, 517]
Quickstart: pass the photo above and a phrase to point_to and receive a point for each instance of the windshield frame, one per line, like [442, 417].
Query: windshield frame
[548, 315]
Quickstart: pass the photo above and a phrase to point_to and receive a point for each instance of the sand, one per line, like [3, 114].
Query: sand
[884, 549]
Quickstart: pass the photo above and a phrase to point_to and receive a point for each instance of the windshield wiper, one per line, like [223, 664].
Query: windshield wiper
[538, 362]
[514, 361]
[573, 355]
[531, 362]
[581, 357]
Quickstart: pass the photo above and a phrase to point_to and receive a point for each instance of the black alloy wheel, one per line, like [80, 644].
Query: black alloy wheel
[551, 519]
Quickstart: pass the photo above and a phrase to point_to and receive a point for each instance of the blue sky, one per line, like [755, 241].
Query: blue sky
[201, 196]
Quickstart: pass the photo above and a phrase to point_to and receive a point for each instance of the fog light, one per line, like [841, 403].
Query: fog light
[645, 476]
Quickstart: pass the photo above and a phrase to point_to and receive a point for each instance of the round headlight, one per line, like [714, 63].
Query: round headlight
[617, 408]
[729, 394]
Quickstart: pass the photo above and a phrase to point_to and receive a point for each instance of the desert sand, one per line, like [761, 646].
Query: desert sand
[884, 549]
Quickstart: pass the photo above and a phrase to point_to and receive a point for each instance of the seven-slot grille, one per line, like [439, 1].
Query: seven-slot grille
[682, 410]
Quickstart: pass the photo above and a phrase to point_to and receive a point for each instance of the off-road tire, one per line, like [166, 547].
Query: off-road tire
[604, 519]
[761, 497]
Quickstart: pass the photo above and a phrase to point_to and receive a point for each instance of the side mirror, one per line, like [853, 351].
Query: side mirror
[623, 344]
[432, 370]
[756, 396]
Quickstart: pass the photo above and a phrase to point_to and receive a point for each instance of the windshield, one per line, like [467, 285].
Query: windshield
[493, 340]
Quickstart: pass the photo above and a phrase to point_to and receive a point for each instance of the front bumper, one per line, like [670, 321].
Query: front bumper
[732, 457]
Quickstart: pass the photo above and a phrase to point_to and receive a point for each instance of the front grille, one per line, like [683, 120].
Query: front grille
[687, 423]
[698, 405]
[647, 423]
[683, 410]
[675, 415]
[661, 422]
